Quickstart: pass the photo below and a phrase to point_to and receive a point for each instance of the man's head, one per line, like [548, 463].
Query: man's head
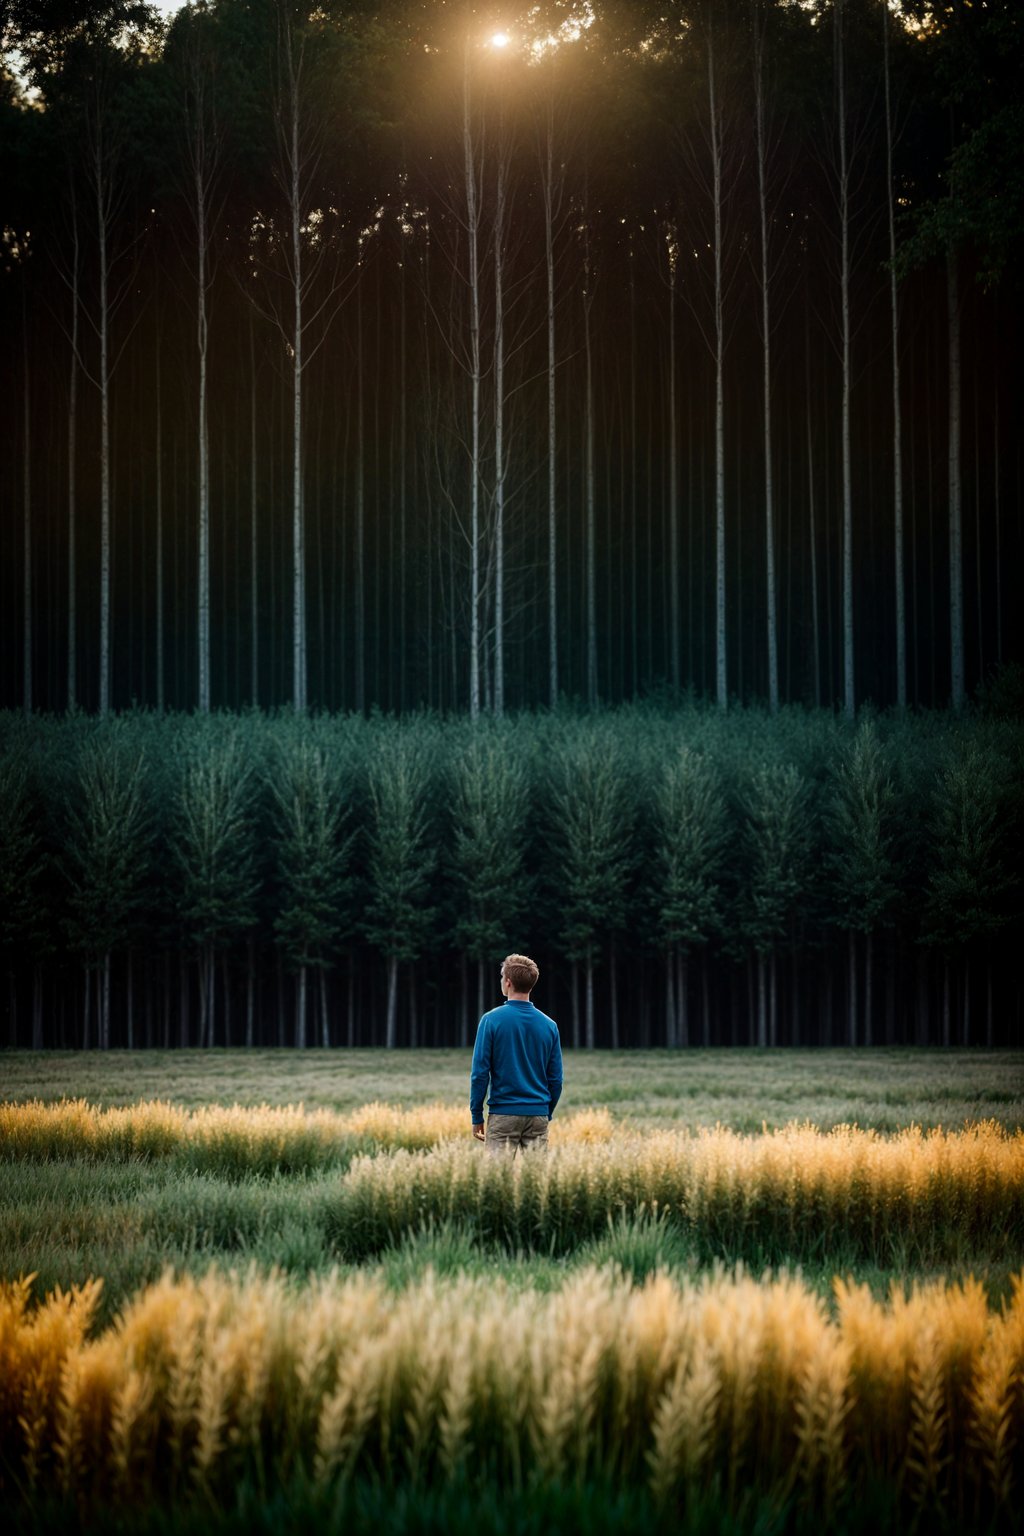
[518, 974]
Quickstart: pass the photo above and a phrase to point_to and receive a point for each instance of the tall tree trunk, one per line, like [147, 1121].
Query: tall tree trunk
[72, 678]
[590, 553]
[392, 1011]
[293, 168]
[613, 990]
[254, 568]
[86, 1007]
[549, 263]
[773, 1001]
[102, 216]
[849, 697]
[762, 1002]
[956, 573]
[359, 606]
[851, 987]
[769, 510]
[590, 1003]
[105, 1005]
[673, 468]
[26, 686]
[300, 1008]
[249, 991]
[897, 432]
[812, 531]
[325, 1027]
[499, 435]
[37, 1008]
[721, 667]
[202, 336]
[472, 235]
[158, 508]
[868, 987]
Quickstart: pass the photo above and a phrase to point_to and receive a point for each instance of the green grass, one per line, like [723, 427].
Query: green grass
[66, 1220]
[741, 1088]
[368, 1508]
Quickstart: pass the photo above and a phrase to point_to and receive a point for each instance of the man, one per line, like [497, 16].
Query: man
[518, 1051]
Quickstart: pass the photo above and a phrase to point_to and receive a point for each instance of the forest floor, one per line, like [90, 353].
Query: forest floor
[133, 1219]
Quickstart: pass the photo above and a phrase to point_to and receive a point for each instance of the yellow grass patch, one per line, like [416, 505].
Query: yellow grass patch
[200, 1382]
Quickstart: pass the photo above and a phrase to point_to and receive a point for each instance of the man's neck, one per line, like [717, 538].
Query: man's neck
[518, 997]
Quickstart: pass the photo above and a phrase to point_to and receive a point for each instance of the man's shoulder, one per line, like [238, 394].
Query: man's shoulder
[545, 1019]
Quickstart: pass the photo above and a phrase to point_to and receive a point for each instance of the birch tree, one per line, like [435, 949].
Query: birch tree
[192, 53]
[897, 414]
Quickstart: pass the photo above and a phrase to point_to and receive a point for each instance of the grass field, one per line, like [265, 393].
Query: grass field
[752, 1327]
[742, 1089]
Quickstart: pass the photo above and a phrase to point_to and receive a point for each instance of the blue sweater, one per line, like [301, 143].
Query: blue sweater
[518, 1051]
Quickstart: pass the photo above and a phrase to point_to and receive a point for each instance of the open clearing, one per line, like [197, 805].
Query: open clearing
[742, 1089]
[692, 1315]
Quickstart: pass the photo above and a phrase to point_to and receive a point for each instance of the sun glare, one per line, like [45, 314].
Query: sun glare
[500, 40]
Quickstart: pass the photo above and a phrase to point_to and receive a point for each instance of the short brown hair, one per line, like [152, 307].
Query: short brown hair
[521, 971]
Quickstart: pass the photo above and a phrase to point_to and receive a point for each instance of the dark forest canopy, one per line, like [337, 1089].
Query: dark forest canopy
[353, 357]
[683, 875]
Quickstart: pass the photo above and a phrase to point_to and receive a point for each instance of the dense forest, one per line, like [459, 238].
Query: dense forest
[684, 876]
[428, 355]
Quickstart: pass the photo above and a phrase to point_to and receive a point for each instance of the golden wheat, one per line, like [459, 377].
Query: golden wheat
[243, 1138]
[672, 1383]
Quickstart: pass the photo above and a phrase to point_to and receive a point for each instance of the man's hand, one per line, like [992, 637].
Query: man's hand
[478, 1132]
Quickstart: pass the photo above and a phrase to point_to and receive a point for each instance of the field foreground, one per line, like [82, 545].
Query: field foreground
[267, 1318]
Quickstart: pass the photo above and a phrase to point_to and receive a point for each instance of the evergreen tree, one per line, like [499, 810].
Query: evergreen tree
[214, 848]
[777, 837]
[313, 848]
[973, 890]
[24, 908]
[402, 853]
[690, 823]
[106, 847]
[862, 824]
[590, 812]
[490, 803]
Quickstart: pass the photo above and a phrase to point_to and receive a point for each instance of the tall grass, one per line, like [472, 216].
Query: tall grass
[791, 1194]
[720, 1385]
[265, 1139]
[794, 1194]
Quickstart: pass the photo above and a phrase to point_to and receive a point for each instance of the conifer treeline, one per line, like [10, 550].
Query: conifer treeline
[683, 877]
[351, 360]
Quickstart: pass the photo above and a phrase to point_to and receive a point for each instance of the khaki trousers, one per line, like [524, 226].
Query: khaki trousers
[513, 1133]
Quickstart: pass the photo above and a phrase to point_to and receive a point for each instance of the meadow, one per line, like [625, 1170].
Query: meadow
[743, 1291]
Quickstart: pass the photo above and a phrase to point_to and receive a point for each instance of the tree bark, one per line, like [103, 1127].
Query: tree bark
[549, 263]
[956, 574]
[392, 1009]
[472, 235]
[721, 666]
[769, 509]
[499, 436]
[26, 677]
[849, 697]
[897, 433]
